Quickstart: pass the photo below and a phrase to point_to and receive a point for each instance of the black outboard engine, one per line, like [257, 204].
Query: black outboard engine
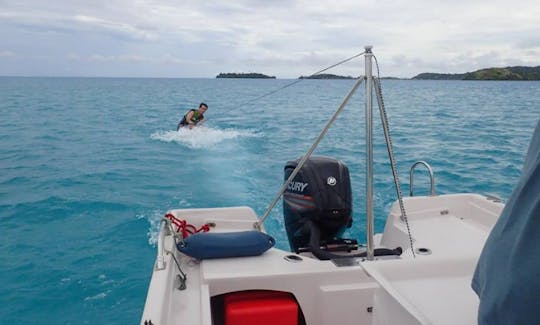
[317, 201]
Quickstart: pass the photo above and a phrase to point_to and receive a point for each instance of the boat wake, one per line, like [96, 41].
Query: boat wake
[201, 137]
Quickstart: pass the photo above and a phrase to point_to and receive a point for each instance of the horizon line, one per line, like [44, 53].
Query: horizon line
[139, 77]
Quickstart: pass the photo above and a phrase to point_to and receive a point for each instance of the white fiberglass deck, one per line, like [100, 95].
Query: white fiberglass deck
[436, 288]
[428, 289]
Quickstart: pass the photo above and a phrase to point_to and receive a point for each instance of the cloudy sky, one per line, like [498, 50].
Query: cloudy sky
[285, 38]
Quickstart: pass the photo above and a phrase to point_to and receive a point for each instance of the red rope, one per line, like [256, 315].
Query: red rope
[184, 227]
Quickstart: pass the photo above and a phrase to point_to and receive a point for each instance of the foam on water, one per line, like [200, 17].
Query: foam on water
[201, 137]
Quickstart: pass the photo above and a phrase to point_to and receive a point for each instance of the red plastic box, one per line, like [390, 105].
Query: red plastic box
[260, 308]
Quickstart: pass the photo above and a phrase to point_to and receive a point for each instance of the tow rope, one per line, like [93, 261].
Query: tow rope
[185, 228]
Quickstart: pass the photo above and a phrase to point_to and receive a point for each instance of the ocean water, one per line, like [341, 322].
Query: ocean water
[88, 166]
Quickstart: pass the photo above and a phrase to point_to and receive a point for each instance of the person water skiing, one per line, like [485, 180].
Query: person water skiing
[193, 117]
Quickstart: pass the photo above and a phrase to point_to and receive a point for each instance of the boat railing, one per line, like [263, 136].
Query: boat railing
[431, 177]
[163, 231]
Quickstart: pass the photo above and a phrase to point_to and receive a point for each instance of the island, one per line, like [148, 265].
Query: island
[251, 75]
[508, 73]
[325, 76]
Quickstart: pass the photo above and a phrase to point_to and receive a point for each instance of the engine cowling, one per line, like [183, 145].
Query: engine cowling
[319, 195]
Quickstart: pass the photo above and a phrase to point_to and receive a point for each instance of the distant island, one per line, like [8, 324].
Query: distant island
[325, 76]
[508, 73]
[250, 75]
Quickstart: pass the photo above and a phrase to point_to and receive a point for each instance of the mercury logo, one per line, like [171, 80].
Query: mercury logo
[297, 186]
[331, 181]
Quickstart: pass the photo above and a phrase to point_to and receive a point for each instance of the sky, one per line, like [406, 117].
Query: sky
[286, 39]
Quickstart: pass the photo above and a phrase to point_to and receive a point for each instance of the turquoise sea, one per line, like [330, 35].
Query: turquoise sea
[88, 166]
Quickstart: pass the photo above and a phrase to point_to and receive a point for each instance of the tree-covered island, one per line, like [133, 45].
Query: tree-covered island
[325, 76]
[250, 75]
[508, 73]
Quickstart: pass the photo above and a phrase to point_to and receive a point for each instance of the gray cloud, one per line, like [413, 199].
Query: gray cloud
[7, 54]
[282, 38]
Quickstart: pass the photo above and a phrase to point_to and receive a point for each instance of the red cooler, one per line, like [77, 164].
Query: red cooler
[260, 308]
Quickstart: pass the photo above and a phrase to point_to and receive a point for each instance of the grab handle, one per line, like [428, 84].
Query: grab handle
[431, 177]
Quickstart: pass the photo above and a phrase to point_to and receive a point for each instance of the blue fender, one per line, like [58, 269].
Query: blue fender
[209, 245]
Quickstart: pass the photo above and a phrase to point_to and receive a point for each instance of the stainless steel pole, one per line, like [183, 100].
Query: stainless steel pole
[257, 225]
[369, 154]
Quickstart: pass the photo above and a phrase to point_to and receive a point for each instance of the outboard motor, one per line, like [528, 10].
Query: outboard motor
[317, 207]
[318, 201]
